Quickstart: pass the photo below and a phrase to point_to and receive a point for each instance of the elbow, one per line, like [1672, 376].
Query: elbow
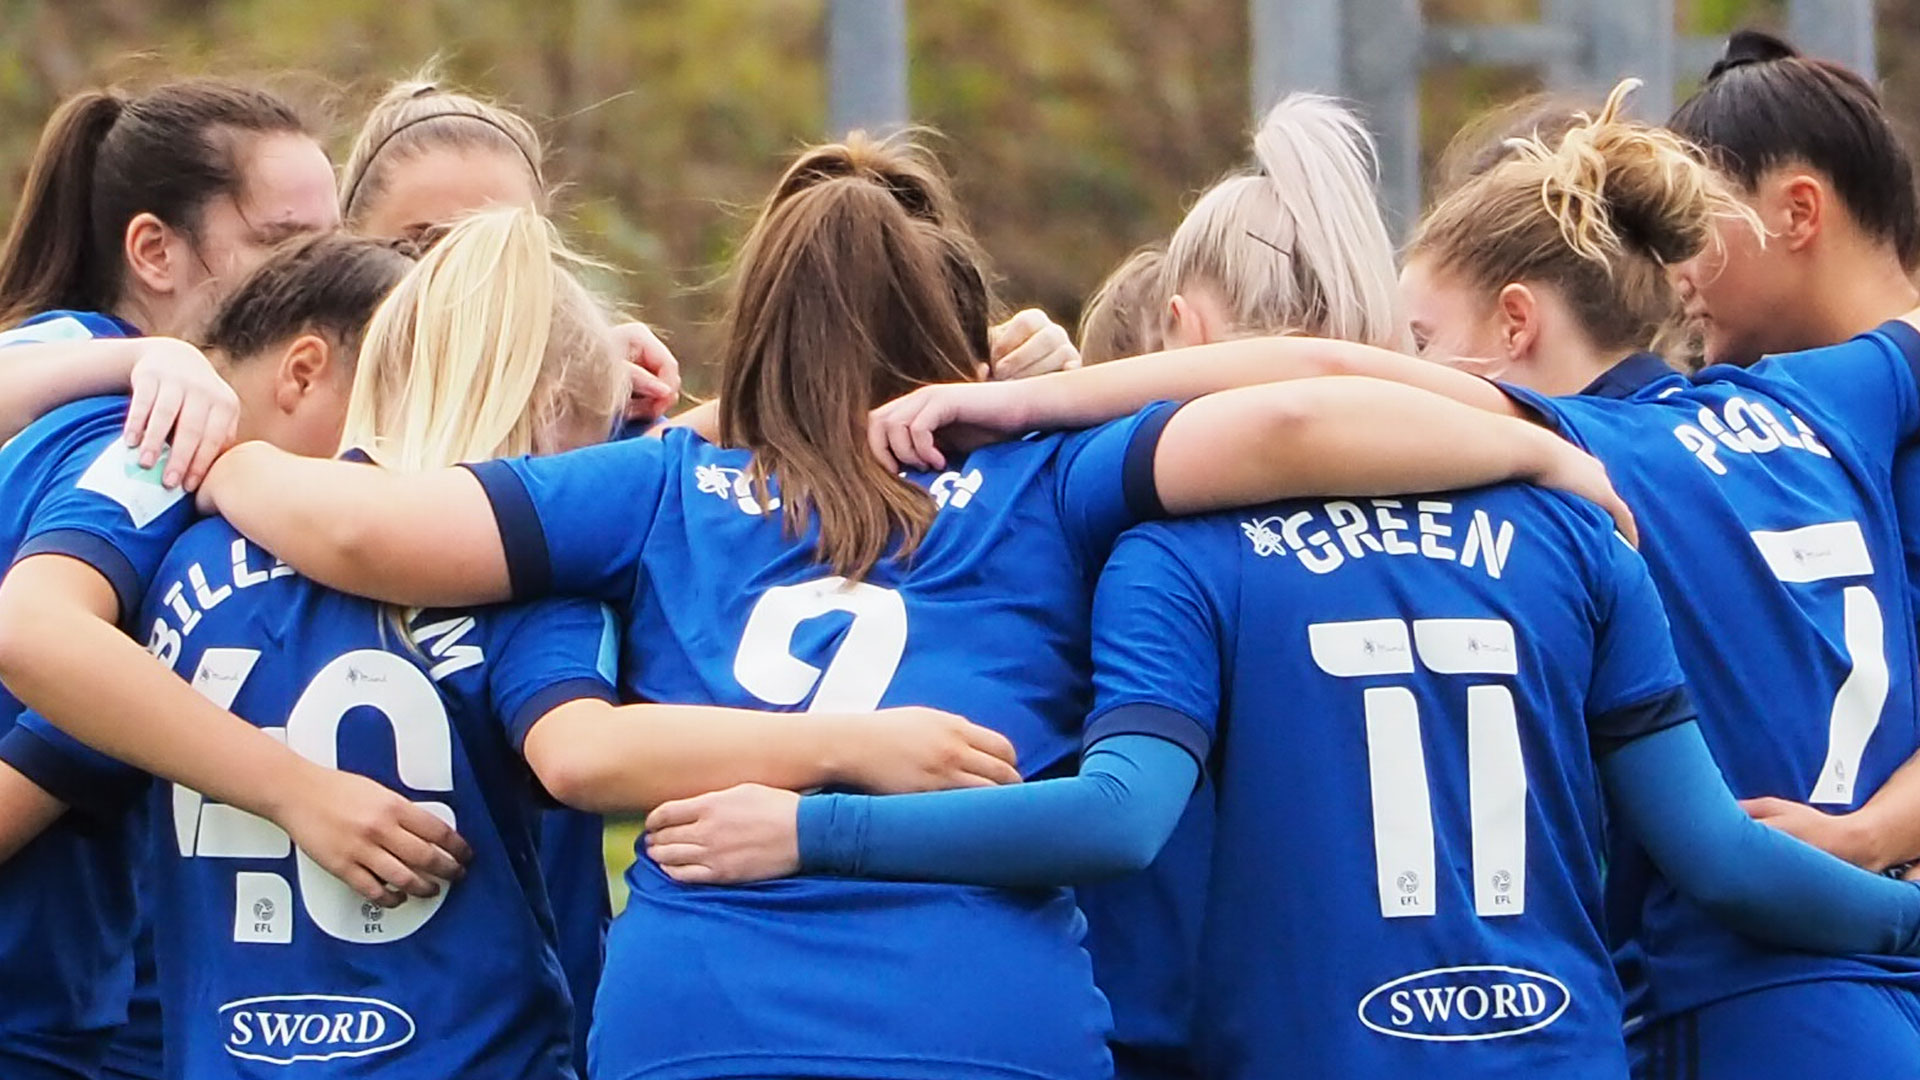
[1127, 848]
[575, 777]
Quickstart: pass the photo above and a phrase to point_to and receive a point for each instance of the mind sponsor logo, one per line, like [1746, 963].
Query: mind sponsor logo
[1465, 1004]
[289, 1028]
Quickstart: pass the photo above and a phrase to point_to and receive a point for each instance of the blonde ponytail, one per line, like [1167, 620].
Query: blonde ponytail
[1599, 213]
[1299, 244]
[484, 350]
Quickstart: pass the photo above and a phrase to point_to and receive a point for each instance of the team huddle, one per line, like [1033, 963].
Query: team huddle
[1491, 658]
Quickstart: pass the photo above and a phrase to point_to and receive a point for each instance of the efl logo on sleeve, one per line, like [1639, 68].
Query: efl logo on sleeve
[117, 474]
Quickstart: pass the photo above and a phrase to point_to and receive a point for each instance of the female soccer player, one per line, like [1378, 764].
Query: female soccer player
[137, 213]
[1769, 534]
[794, 571]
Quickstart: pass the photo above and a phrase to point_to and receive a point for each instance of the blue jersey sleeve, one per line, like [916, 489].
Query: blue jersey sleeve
[575, 524]
[70, 770]
[1105, 480]
[1637, 688]
[1667, 791]
[105, 510]
[559, 651]
[1868, 384]
[1111, 819]
[1157, 643]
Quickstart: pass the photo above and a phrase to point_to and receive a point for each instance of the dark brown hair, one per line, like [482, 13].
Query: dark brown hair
[328, 284]
[1598, 213]
[857, 284]
[1765, 105]
[105, 158]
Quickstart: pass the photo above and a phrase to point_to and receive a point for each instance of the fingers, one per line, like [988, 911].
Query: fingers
[991, 742]
[905, 448]
[362, 881]
[925, 446]
[1911, 873]
[438, 833]
[678, 812]
[694, 874]
[1764, 807]
[877, 438]
[422, 857]
[1048, 350]
[1014, 334]
[187, 433]
[395, 873]
[138, 406]
[986, 770]
[160, 423]
[222, 424]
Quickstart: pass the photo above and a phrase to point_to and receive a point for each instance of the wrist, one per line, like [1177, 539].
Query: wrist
[833, 743]
[1866, 843]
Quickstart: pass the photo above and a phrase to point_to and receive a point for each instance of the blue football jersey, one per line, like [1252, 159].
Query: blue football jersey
[1397, 699]
[266, 961]
[1766, 518]
[989, 618]
[573, 860]
[67, 913]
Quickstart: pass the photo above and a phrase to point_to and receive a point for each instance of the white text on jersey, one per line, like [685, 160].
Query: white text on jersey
[1344, 529]
[1741, 426]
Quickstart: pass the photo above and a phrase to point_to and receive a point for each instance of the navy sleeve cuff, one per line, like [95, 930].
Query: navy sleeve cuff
[1614, 728]
[82, 778]
[1907, 340]
[551, 698]
[529, 564]
[1156, 720]
[1136, 471]
[831, 829]
[1537, 407]
[128, 588]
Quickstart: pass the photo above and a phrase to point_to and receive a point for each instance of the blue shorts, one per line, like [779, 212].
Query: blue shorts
[1803, 1031]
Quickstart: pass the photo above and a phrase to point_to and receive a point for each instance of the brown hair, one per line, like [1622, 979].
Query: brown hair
[328, 284]
[103, 159]
[1765, 105]
[857, 284]
[1600, 216]
[1122, 317]
[1487, 139]
[419, 115]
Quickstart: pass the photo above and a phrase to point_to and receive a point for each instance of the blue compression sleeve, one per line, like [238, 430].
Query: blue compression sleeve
[1109, 820]
[1758, 881]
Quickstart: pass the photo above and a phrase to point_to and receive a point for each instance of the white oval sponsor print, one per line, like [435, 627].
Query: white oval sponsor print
[1465, 1004]
[286, 1028]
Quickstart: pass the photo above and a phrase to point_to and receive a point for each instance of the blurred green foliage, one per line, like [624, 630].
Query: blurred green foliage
[1076, 130]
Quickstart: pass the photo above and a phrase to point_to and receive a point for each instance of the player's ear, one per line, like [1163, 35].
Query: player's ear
[1803, 200]
[1184, 328]
[152, 255]
[309, 364]
[1516, 310]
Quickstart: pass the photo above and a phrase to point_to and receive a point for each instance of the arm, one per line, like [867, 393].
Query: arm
[1109, 820]
[595, 756]
[61, 654]
[903, 430]
[1348, 436]
[1883, 833]
[25, 811]
[1763, 883]
[178, 397]
[422, 539]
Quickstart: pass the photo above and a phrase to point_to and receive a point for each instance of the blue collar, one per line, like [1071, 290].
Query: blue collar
[1629, 376]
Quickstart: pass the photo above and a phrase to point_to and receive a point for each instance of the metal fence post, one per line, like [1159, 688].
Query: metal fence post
[1385, 41]
[1836, 30]
[1296, 46]
[866, 65]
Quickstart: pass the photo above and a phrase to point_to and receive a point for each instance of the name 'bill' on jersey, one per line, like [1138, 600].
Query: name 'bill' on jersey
[1396, 699]
[1763, 498]
[67, 909]
[989, 618]
[267, 961]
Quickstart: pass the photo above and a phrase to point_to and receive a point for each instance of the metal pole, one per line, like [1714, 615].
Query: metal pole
[1635, 37]
[866, 65]
[1384, 42]
[1296, 46]
[1835, 30]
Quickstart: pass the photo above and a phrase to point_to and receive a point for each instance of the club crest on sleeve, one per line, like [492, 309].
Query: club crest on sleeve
[117, 474]
[65, 328]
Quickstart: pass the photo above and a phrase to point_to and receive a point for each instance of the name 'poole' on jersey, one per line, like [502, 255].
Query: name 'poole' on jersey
[823, 976]
[1765, 519]
[267, 961]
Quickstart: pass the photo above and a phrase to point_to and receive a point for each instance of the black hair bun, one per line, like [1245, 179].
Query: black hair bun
[1750, 47]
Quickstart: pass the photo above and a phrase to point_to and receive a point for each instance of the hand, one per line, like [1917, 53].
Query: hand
[1577, 472]
[181, 407]
[654, 372]
[376, 840]
[1840, 835]
[749, 832]
[1030, 343]
[893, 751]
[964, 415]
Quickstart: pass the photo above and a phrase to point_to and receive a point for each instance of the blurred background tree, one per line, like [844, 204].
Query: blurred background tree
[1076, 130]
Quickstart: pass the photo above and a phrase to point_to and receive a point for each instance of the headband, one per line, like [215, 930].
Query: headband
[374, 154]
